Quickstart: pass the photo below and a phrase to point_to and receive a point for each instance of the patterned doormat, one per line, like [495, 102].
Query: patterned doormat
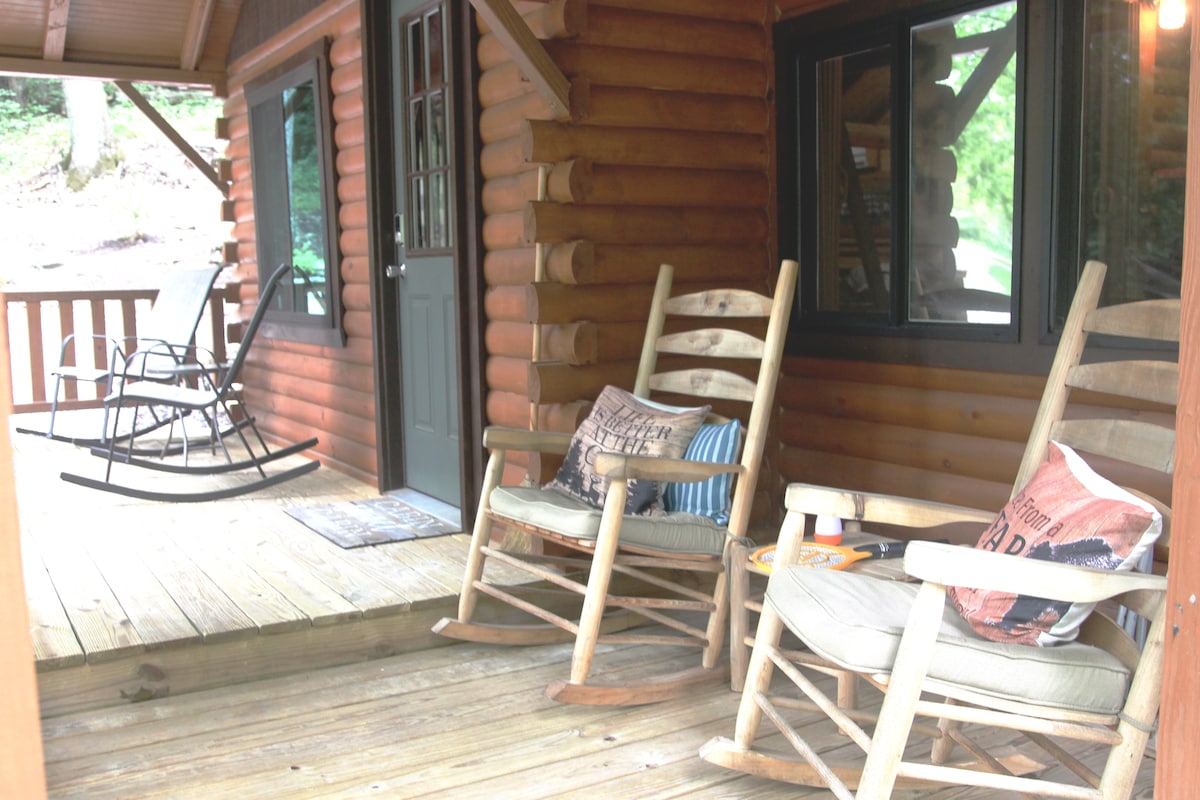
[359, 523]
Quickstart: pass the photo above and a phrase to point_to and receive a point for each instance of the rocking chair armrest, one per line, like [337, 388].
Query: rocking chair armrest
[161, 347]
[620, 466]
[497, 438]
[812, 499]
[190, 360]
[970, 567]
[113, 342]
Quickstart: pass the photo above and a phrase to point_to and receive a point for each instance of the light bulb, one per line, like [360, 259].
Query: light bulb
[1172, 14]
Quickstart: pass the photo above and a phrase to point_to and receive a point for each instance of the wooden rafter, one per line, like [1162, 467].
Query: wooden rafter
[531, 58]
[196, 33]
[55, 42]
[188, 151]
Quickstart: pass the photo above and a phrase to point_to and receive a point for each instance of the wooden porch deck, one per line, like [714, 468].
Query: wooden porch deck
[132, 599]
[272, 663]
[467, 721]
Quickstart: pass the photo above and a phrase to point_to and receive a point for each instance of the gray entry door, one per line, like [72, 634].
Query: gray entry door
[424, 269]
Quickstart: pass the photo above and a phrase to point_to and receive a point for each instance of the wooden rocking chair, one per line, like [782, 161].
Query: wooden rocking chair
[215, 398]
[963, 663]
[676, 560]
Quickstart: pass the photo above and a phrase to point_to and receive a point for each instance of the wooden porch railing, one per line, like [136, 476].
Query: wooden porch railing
[38, 322]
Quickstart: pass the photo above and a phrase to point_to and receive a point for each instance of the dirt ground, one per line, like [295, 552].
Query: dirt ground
[155, 212]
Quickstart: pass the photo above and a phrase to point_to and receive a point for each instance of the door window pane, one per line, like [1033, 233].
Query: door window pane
[437, 52]
[426, 131]
[415, 63]
[437, 130]
[416, 137]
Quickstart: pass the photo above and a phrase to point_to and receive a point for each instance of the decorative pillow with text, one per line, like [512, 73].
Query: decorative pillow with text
[619, 422]
[1069, 514]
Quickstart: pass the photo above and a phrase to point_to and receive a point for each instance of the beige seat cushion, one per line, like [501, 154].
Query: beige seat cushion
[856, 621]
[675, 533]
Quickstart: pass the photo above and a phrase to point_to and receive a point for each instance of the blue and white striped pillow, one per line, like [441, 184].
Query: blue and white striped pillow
[719, 444]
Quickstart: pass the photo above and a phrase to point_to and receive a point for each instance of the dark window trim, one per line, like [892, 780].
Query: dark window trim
[833, 334]
[1027, 344]
[310, 63]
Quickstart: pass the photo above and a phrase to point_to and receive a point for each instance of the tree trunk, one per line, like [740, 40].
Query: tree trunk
[92, 147]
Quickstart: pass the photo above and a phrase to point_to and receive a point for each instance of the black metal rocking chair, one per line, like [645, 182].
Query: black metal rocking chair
[173, 318]
[211, 400]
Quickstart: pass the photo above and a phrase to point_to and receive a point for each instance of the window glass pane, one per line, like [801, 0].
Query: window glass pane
[416, 57]
[437, 53]
[963, 155]
[416, 135]
[437, 130]
[854, 181]
[438, 202]
[304, 196]
[1134, 131]
[294, 207]
[419, 213]
[272, 236]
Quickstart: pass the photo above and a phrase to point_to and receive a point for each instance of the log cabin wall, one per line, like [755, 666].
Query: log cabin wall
[300, 390]
[666, 157]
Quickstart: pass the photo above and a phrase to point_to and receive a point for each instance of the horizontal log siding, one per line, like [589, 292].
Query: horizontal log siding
[666, 158]
[298, 390]
[954, 436]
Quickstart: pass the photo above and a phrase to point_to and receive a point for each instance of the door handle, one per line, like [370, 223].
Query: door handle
[394, 271]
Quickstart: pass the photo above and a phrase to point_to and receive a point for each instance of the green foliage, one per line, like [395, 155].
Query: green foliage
[33, 96]
[34, 133]
[33, 127]
[984, 193]
[190, 111]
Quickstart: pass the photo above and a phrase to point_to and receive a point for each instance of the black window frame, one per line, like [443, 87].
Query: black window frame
[271, 209]
[1047, 264]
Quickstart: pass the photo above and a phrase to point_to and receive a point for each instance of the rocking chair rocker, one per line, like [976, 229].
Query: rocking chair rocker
[649, 553]
[214, 398]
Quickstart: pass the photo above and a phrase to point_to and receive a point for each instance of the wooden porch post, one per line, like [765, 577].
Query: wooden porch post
[1177, 766]
[22, 773]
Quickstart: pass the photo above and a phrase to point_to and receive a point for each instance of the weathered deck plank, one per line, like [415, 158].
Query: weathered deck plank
[54, 642]
[211, 610]
[334, 567]
[152, 610]
[467, 721]
[100, 623]
[266, 606]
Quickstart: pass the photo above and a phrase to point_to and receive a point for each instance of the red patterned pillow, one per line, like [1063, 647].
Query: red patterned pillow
[620, 422]
[1069, 514]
